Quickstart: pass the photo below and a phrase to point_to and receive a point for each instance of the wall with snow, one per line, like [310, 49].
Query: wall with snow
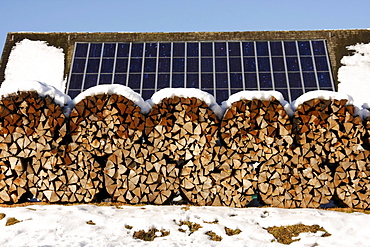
[354, 75]
[35, 60]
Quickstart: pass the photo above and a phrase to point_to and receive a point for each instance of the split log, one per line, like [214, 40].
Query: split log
[142, 175]
[13, 180]
[72, 175]
[290, 185]
[352, 180]
[218, 177]
[330, 127]
[30, 125]
[257, 128]
[181, 127]
[104, 123]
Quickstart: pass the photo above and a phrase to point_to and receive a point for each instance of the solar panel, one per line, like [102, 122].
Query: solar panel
[218, 67]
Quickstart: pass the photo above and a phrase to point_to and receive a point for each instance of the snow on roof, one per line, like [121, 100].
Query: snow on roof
[354, 75]
[115, 89]
[35, 60]
[187, 93]
[41, 88]
[261, 95]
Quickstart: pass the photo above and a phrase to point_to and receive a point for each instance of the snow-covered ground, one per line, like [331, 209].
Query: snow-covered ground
[57, 225]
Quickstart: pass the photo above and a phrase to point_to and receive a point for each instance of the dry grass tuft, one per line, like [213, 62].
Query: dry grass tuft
[12, 221]
[192, 226]
[128, 227]
[284, 234]
[90, 222]
[231, 232]
[2, 216]
[151, 234]
[214, 236]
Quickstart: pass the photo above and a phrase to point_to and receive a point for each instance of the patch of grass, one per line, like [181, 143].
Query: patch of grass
[284, 234]
[214, 236]
[90, 222]
[186, 208]
[2, 216]
[32, 209]
[231, 232]
[151, 234]
[12, 221]
[128, 227]
[193, 227]
[211, 222]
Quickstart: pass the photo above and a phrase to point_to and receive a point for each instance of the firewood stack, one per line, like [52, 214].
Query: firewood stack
[71, 175]
[141, 175]
[352, 180]
[13, 179]
[220, 177]
[104, 123]
[260, 129]
[295, 182]
[30, 125]
[329, 127]
[181, 127]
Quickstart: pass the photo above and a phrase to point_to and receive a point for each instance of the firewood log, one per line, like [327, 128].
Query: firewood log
[30, 125]
[257, 128]
[181, 127]
[102, 124]
[141, 175]
[330, 127]
[352, 180]
[220, 177]
[69, 176]
[297, 182]
[13, 179]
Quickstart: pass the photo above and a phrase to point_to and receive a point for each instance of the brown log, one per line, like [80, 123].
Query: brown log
[141, 175]
[352, 180]
[181, 127]
[259, 129]
[30, 125]
[102, 124]
[329, 127]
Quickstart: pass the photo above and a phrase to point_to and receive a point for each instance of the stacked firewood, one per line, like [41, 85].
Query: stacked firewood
[181, 127]
[104, 123]
[13, 179]
[31, 127]
[330, 127]
[141, 175]
[71, 175]
[260, 129]
[220, 177]
[352, 180]
[299, 179]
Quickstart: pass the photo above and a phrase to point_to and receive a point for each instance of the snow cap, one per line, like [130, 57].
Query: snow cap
[187, 93]
[261, 95]
[115, 89]
[41, 88]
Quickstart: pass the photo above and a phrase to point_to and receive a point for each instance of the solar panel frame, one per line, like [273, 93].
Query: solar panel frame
[214, 66]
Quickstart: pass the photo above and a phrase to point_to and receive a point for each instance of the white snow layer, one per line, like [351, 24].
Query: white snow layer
[35, 60]
[115, 89]
[354, 75]
[261, 95]
[41, 88]
[57, 225]
[187, 93]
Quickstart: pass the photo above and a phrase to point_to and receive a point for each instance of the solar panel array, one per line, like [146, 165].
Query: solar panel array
[218, 67]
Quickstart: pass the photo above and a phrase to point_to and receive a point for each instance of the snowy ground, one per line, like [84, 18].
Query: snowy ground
[57, 225]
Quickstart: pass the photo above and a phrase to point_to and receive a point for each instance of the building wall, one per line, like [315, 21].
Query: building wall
[337, 40]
